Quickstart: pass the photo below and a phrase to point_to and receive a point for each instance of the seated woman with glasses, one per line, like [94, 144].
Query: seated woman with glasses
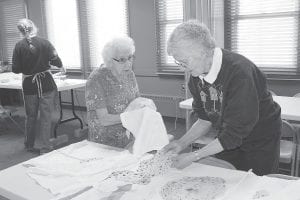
[109, 90]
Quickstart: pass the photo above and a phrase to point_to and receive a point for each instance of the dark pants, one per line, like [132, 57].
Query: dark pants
[33, 104]
[261, 156]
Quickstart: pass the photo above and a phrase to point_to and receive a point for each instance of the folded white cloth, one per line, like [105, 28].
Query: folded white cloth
[76, 165]
[148, 128]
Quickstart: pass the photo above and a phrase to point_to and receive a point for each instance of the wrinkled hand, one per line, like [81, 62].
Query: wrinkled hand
[183, 160]
[175, 146]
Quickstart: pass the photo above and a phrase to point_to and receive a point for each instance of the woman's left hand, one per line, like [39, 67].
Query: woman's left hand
[183, 160]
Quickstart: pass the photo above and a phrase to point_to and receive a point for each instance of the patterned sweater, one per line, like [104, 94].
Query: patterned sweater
[238, 103]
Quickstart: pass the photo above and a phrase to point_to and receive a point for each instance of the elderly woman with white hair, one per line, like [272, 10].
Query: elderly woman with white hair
[230, 96]
[33, 57]
[109, 90]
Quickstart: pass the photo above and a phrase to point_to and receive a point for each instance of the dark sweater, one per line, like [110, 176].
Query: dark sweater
[29, 63]
[238, 103]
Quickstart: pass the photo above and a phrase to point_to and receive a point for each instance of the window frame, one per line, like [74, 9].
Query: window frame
[276, 73]
[164, 68]
[84, 44]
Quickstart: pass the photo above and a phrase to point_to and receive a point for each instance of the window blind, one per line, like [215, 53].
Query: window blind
[264, 31]
[62, 28]
[169, 15]
[80, 31]
[101, 20]
[10, 13]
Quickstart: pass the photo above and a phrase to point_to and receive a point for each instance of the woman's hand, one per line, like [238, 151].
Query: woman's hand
[63, 70]
[183, 160]
[140, 102]
[175, 146]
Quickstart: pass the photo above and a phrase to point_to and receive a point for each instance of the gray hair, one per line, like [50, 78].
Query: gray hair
[27, 28]
[193, 35]
[117, 46]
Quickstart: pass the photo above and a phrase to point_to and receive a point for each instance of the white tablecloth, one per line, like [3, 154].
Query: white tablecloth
[79, 172]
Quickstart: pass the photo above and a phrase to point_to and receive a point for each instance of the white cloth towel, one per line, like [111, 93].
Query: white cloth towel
[76, 166]
[148, 128]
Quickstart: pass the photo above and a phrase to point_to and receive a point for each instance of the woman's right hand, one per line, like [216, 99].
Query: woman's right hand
[175, 146]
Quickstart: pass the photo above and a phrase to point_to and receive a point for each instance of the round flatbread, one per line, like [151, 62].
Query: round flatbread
[193, 188]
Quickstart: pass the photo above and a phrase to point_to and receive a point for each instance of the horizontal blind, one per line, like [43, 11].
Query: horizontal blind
[11, 11]
[101, 20]
[169, 15]
[264, 31]
[62, 25]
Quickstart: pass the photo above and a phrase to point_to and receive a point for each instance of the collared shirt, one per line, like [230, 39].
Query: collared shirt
[215, 67]
[236, 102]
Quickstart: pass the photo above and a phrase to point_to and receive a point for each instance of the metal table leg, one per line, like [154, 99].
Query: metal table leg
[75, 117]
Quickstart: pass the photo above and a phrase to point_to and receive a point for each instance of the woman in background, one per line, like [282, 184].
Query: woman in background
[109, 90]
[33, 57]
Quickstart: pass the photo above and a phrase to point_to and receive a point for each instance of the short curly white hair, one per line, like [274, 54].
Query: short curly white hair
[117, 46]
[193, 35]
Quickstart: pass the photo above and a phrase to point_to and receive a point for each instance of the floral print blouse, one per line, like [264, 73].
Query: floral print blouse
[104, 90]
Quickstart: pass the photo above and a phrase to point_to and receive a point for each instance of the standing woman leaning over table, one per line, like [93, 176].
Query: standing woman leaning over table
[33, 57]
[231, 98]
[109, 90]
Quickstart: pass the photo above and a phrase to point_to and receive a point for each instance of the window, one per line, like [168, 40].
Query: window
[169, 15]
[10, 13]
[264, 31]
[103, 20]
[63, 31]
[80, 32]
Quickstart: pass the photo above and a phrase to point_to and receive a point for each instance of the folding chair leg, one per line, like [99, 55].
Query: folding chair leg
[18, 126]
[297, 162]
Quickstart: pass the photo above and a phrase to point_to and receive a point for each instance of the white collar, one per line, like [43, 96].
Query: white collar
[215, 67]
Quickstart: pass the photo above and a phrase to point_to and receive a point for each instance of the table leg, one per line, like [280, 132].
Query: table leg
[187, 120]
[75, 117]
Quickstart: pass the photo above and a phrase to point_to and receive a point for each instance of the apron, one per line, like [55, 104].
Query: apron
[37, 79]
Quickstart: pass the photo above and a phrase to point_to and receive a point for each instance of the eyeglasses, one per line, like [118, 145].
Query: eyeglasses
[124, 60]
[181, 64]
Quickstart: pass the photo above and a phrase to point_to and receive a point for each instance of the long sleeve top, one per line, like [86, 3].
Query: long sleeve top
[30, 63]
[237, 103]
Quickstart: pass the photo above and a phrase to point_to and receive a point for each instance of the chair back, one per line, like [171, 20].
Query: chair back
[288, 146]
[297, 95]
[288, 132]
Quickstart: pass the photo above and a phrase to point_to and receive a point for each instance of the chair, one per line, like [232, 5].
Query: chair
[6, 112]
[296, 125]
[297, 95]
[288, 147]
